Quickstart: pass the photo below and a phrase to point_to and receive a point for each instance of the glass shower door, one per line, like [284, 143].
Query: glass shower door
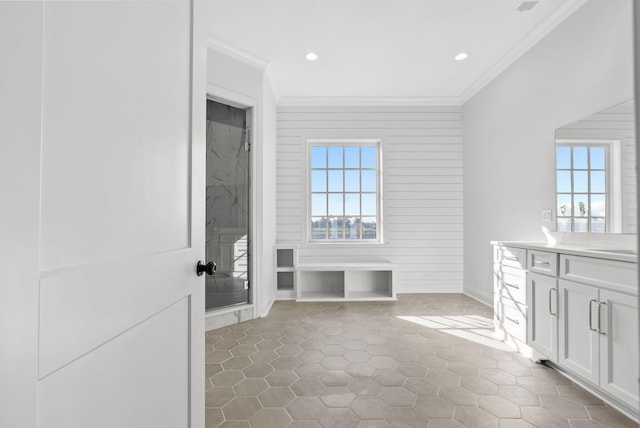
[227, 205]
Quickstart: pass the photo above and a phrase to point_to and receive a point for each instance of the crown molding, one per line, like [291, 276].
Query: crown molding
[369, 101]
[237, 53]
[550, 23]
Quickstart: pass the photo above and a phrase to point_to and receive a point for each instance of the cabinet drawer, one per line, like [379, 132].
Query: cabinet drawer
[542, 262]
[511, 283]
[512, 318]
[510, 256]
[612, 274]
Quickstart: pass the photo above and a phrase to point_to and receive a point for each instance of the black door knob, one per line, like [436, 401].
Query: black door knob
[208, 268]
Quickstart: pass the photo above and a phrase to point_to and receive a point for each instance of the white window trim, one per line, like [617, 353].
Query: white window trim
[379, 203]
[613, 219]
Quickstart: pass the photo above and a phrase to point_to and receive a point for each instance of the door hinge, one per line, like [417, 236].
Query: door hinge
[246, 285]
[247, 141]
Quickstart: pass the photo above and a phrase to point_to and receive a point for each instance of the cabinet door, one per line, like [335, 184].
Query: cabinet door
[618, 321]
[578, 335]
[542, 324]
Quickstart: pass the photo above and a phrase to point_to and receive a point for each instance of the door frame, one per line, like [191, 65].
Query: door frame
[241, 101]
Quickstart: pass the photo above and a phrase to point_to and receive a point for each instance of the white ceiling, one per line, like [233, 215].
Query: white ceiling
[377, 51]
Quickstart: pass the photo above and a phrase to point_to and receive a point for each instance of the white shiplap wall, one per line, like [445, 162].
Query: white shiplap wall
[422, 188]
[615, 123]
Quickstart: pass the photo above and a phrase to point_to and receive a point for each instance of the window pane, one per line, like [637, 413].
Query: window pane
[564, 225]
[319, 181]
[563, 157]
[369, 181]
[335, 204]
[318, 157]
[352, 157]
[352, 204]
[369, 228]
[318, 204]
[580, 225]
[563, 181]
[598, 205]
[564, 206]
[580, 205]
[352, 228]
[580, 181]
[352, 181]
[597, 157]
[369, 204]
[580, 158]
[598, 182]
[369, 157]
[598, 225]
[335, 157]
[318, 228]
[336, 228]
[335, 181]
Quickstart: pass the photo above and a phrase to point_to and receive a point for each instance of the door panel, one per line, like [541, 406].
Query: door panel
[122, 217]
[618, 347]
[578, 350]
[82, 308]
[115, 155]
[543, 325]
[152, 353]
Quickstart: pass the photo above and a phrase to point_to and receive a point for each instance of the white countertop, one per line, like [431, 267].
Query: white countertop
[609, 254]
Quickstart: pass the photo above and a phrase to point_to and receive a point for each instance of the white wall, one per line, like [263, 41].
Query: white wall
[422, 188]
[237, 80]
[581, 67]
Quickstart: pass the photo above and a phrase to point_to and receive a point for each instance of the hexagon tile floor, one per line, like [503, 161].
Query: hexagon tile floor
[427, 361]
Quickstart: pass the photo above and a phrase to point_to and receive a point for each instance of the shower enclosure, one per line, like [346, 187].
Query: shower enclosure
[227, 216]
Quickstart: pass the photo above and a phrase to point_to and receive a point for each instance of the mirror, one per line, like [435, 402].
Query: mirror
[596, 173]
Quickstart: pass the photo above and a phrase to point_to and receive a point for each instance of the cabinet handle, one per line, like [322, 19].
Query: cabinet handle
[514, 259]
[516, 322]
[599, 318]
[550, 312]
[512, 285]
[538, 262]
[591, 316]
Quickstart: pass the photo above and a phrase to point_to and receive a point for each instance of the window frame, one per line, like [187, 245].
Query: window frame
[613, 214]
[345, 142]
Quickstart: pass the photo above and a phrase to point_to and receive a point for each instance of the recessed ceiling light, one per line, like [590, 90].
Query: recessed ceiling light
[461, 56]
[312, 56]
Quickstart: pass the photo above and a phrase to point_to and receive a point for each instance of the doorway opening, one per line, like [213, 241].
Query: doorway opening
[227, 205]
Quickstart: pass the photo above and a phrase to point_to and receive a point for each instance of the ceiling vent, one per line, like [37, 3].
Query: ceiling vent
[527, 5]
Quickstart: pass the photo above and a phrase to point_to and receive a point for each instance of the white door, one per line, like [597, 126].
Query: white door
[542, 304]
[618, 346]
[578, 335]
[120, 310]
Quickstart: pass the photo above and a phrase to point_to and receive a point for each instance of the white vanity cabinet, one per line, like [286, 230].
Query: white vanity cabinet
[542, 332]
[542, 299]
[598, 324]
[580, 313]
[510, 294]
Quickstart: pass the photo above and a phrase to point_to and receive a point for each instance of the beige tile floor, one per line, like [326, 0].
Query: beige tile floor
[426, 361]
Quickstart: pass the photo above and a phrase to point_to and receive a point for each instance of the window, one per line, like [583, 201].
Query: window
[583, 186]
[344, 191]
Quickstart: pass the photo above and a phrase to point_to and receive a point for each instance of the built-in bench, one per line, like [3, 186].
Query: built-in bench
[344, 281]
[331, 281]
